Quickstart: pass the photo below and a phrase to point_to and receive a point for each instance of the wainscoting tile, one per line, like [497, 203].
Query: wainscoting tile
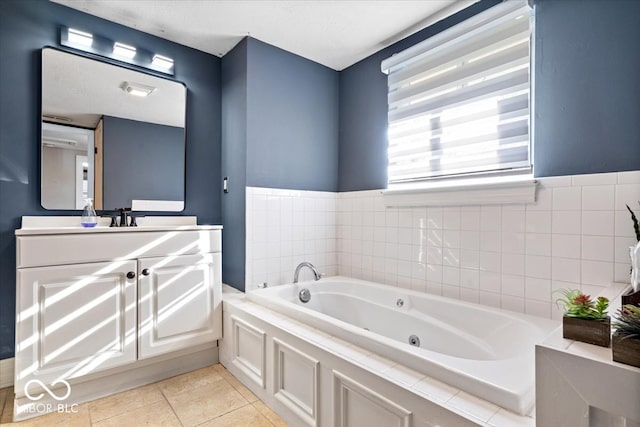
[567, 199]
[598, 248]
[598, 198]
[598, 223]
[577, 233]
[566, 222]
[565, 246]
[627, 194]
[594, 179]
[631, 177]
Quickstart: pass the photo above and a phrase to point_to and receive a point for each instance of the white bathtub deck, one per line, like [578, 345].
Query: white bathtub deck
[470, 407]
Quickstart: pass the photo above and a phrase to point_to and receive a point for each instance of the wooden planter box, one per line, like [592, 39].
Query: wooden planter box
[631, 297]
[597, 332]
[626, 350]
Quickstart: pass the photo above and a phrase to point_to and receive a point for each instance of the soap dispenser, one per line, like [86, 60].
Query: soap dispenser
[89, 217]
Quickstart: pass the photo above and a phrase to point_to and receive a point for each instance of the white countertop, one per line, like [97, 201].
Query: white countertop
[589, 351]
[40, 225]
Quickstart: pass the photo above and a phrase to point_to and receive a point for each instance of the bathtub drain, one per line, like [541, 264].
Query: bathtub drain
[414, 340]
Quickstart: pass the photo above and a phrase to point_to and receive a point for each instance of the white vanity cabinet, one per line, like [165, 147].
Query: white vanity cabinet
[176, 302]
[74, 319]
[118, 306]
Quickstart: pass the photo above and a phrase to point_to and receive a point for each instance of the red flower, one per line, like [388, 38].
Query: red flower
[582, 299]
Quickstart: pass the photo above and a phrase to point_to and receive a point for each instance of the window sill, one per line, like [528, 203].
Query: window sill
[469, 192]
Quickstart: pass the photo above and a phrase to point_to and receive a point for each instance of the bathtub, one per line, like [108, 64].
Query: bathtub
[484, 351]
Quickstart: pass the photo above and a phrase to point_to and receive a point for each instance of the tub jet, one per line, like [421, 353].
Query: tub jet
[304, 295]
[414, 340]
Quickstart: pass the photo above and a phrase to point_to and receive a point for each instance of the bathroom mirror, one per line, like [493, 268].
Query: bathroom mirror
[111, 134]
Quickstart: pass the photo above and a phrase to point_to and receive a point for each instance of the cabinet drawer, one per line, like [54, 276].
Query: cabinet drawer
[42, 250]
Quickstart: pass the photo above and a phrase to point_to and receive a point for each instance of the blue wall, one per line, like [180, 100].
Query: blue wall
[279, 130]
[234, 163]
[587, 93]
[26, 27]
[142, 161]
[587, 87]
[292, 121]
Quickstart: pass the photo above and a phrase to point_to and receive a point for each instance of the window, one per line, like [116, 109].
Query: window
[459, 101]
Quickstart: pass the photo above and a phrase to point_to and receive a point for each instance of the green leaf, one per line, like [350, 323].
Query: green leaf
[636, 226]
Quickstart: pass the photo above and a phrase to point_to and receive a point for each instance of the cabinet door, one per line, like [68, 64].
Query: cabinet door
[179, 302]
[73, 320]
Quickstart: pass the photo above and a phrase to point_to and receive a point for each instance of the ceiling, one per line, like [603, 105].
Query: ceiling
[335, 33]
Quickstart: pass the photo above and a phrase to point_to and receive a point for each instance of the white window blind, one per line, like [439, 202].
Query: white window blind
[459, 101]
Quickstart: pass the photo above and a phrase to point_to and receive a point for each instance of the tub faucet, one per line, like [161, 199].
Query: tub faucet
[316, 275]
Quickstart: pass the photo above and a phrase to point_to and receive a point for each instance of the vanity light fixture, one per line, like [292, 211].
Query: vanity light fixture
[163, 62]
[124, 50]
[137, 89]
[79, 37]
[96, 44]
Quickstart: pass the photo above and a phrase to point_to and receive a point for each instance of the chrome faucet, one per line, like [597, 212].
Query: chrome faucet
[316, 275]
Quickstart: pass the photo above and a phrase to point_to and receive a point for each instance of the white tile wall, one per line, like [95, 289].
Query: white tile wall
[286, 227]
[576, 235]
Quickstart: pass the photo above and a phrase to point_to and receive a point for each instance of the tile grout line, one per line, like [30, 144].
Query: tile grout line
[170, 406]
[89, 411]
[9, 397]
[2, 405]
[121, 413]
[260, 412]
[236, 390]
[252, 404]
[218, 416]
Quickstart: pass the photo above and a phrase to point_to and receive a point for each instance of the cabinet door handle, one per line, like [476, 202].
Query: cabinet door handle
[131, 275]
[145, 272]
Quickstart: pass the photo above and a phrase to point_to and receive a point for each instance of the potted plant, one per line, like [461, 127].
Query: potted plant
[584, 319]
[626, 339]
[633, 296]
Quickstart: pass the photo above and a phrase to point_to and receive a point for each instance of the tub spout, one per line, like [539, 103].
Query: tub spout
[316, 275]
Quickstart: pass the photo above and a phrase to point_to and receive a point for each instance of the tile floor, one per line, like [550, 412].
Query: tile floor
[207, 397]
